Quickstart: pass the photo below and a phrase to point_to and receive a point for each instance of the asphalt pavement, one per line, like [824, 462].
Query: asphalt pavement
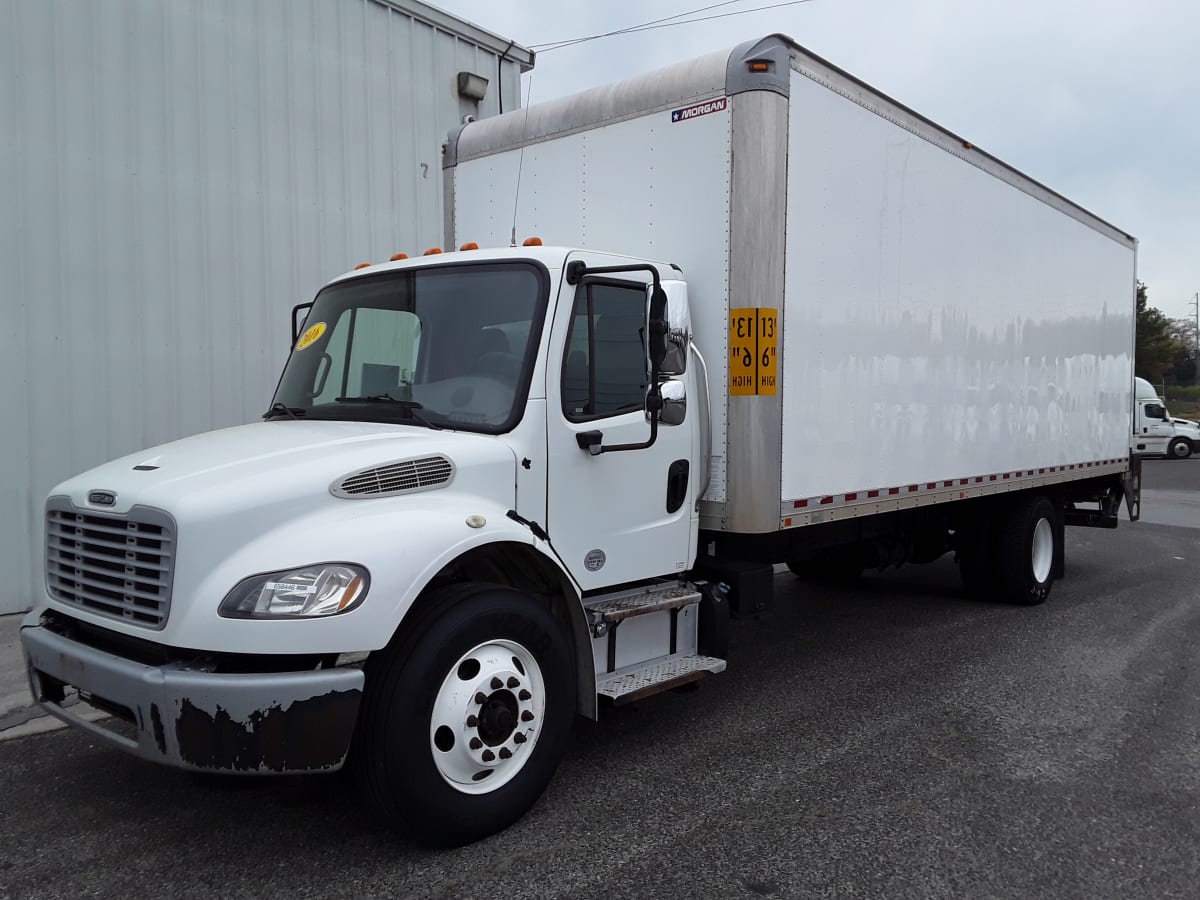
[890, 739]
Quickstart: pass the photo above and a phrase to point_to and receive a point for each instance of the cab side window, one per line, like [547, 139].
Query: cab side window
[604, 370]
[1155, 411]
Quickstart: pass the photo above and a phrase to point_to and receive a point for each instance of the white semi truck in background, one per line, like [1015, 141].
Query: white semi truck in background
[1155, 431]
[780, 318]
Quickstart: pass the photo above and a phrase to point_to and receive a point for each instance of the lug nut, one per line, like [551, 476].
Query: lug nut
[497, 684]
[526, 716]
[488, 756]
[519, 738]
[513, 681]
[524, 695]
[476, 743]
[480, 698]
[505, 753]
[472, 721]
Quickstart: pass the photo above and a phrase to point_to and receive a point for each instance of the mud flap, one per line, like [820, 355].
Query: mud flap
[1131, 482]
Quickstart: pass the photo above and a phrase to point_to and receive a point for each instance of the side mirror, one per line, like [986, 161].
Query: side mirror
[656, 321]
[678, 334]
[674, 403]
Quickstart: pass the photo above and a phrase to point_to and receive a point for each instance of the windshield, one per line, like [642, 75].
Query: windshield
[450, 346]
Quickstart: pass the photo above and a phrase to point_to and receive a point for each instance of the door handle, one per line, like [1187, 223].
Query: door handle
[677, 482]
[590, 441]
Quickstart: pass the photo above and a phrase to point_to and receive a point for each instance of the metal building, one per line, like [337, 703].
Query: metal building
[173, 178]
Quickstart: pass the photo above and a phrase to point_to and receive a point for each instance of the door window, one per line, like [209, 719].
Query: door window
[604, 369]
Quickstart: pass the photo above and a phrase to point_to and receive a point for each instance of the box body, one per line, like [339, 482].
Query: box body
[890, 316]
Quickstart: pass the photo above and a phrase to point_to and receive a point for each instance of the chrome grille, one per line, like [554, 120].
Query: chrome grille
[115, 565]
[396, 478]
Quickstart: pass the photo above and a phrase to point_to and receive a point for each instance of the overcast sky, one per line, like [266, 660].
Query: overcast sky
[1098, 99]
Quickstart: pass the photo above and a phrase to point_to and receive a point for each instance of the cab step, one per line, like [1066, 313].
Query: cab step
[638, 682]
[645, 640]
[611, 609]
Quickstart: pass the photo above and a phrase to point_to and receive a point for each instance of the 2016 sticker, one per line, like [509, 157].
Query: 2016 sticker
[311, 336]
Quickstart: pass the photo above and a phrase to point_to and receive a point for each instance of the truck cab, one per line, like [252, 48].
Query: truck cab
[475, 467]
[1155, 432]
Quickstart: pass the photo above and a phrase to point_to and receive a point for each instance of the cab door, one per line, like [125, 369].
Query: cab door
[1152, 430]
[623, 514]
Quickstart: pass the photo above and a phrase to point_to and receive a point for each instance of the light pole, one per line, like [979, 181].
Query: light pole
[1196, 313]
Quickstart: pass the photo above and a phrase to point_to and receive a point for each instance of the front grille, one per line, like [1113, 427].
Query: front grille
[396, 478]
[119, 566]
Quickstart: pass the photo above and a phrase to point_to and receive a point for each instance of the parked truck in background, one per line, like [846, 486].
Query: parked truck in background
[780, 318]
[1155, 431]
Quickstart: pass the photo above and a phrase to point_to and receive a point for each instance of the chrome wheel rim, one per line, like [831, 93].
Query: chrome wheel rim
[1043, 550]
[487, 716]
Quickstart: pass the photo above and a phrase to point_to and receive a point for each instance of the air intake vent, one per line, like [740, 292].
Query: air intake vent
[395, 478]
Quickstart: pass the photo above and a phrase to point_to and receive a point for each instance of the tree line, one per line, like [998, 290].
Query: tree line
[1165, 348]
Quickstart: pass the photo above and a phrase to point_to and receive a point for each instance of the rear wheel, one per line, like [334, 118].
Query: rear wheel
[1180, 448]
[465, 718]
[1026, 551]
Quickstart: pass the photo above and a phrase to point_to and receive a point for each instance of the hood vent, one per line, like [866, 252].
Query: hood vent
[402, 477]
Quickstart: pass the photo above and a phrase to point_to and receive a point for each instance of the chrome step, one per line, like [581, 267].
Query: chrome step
[609, 609]
[637, 682]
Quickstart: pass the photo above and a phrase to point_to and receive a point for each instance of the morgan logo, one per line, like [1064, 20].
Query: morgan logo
[699, 109]
[102, 498]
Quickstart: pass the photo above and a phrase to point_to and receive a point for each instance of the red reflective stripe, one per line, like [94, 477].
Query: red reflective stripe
[825, 500]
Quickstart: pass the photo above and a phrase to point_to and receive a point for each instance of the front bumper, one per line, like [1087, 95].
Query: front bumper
[273, 723]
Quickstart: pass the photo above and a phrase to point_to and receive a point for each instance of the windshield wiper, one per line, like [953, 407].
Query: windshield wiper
[289, 411]
[409, 406]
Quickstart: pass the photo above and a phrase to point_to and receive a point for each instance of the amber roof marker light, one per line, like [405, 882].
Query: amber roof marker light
[532, 242]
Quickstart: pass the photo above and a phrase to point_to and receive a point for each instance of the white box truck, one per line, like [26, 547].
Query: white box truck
[780, 318]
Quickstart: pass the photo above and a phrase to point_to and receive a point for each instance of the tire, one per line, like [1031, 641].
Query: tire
[433, 761]
[1180, 448]
[1026, 551]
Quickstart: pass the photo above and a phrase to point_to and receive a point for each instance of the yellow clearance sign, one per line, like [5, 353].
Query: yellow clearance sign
[753, 351]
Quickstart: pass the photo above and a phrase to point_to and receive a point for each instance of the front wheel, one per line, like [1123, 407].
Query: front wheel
[1180, 448]
[466, 717]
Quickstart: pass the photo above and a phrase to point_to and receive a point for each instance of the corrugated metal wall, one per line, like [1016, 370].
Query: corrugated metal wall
[173, 178]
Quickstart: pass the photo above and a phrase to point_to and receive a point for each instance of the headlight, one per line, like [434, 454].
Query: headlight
[325, 589]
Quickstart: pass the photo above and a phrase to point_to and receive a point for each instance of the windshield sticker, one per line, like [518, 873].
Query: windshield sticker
[311, 336]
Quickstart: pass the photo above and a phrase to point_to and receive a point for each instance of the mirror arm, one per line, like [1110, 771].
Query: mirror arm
[297, 325]
[575, 273]
[653, 403]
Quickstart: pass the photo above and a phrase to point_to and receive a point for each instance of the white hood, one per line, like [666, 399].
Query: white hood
[280, 464]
